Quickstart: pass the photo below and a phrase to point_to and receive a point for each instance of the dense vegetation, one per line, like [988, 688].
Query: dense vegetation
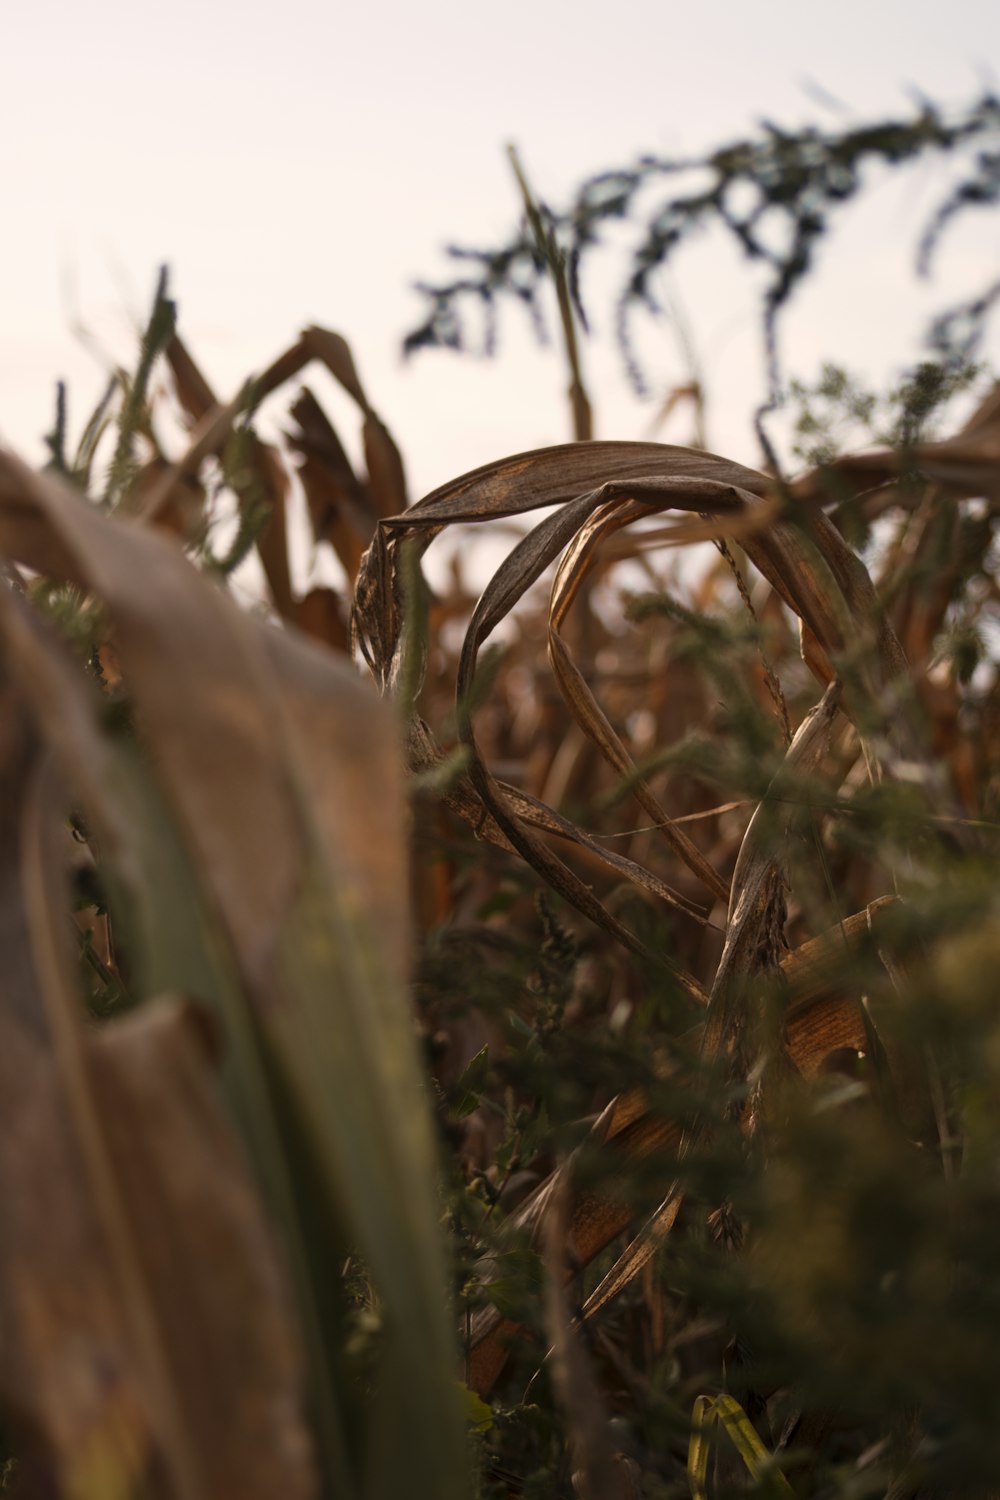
[536, 1044]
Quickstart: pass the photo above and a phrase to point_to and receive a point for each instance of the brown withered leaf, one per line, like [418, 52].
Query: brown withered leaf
[550, 476]
[562, 475]
[148, 1336]
[193, 391]
[267, 750]
[320, 614]
[284, 368]
[384, 462]
[65, 1369]
[340, 505]
[183, 512]
[577, 561]
[810, 970]
[272, 544]
[339, 509]
[460, 795]
[594, 1219]
[250, 863]
[333, 350]
[254, 687]
[213, 425]
[637, 1254]
[597, 488]
[208, 437]
[386, 485]
[231, 1343]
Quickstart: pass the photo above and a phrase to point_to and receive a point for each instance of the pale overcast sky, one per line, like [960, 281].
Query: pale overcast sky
[304, 162]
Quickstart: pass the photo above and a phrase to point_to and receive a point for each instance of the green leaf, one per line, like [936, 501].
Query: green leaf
[478, 1415]
[518, 1285]
[467, 1093]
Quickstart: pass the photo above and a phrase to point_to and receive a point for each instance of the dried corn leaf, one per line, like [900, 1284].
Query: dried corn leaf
[460, 795]
[319, 614]
[310, 898]
[576, 563]
[147, 1330]
[339, 509]
[386, 480]
[333, 350]
[213, 425]
[384, 462]
[804, 557]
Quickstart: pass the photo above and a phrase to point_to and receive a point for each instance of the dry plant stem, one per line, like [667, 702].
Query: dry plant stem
[580, 408]
[770, 676]
[754, 939]
[597, 1476]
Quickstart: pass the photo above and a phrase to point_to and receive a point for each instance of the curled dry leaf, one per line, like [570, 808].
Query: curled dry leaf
[598, 488]
[343, 509]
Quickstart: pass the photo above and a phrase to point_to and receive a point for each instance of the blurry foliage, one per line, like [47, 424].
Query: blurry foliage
[775, 194]
[694, 885]
[836, 413]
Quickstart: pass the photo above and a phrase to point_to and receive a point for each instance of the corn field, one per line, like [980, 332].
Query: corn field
[538, 1039]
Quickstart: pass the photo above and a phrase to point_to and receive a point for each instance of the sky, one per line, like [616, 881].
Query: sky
[302, 162]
